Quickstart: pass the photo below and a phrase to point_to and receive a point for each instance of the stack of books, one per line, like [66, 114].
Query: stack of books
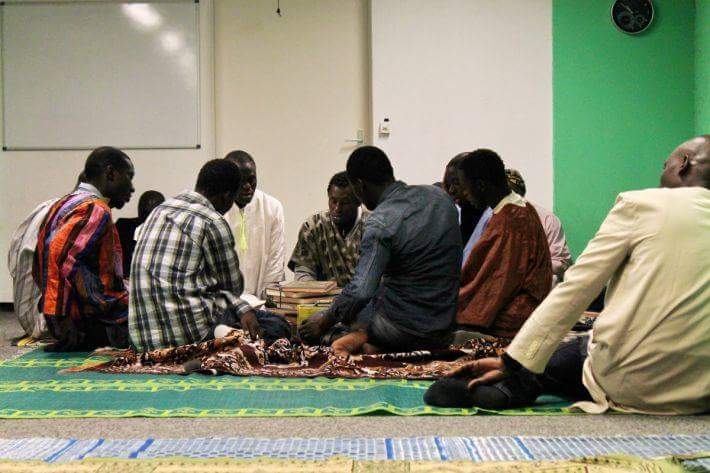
[286, 297]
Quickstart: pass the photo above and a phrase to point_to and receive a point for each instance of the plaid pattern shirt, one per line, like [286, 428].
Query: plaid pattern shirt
[323, 254]
[184, 274]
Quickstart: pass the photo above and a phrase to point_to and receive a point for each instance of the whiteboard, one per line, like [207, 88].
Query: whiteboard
[81, 75]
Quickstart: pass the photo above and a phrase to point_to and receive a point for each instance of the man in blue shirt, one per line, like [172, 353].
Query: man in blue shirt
[404, 292]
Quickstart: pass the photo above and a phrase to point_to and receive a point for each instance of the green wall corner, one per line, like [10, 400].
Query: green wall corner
[621, 103]
[702, 67]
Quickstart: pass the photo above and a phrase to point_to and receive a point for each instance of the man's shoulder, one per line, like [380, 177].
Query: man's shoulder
[268, 200]
[665, 195]
[317, 218]
[83, 202]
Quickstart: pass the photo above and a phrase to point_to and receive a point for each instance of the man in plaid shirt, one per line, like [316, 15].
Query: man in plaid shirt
[185, 277]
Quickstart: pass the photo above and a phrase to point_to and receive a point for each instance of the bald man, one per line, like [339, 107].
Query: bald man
[649, 351]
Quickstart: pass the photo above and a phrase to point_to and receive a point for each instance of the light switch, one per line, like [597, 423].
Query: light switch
[385, 128]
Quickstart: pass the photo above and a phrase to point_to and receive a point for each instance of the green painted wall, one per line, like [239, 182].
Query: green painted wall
[621, 104]
[702, 67]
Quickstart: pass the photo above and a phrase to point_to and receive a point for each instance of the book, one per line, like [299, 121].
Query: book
[278, 299]
[304, 288]
[320, 286]
[290, 306]
[277, 291]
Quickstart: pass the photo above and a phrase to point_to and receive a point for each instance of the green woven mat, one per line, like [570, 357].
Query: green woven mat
[31, 388]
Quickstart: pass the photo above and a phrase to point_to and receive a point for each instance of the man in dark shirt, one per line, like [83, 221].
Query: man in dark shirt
[468, 214]
[126, 227]
[403, 295]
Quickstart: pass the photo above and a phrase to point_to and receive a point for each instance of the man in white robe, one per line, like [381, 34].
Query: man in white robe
[25, 293]
[257, 221]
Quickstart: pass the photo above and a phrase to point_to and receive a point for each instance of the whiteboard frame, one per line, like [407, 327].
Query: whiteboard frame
[99, 2]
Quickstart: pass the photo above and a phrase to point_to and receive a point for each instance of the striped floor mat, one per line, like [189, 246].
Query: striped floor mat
[613, 464]
[478, 449]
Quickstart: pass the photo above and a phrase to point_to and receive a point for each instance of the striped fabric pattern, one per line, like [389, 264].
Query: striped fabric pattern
[476, 449]
[184, 274]
[20, 259]
[77, 264]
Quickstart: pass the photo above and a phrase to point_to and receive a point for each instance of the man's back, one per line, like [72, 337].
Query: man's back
[20, 258]
[77, 262]
[419, 224]
[656, 323]
[184, 271]
[650, 347]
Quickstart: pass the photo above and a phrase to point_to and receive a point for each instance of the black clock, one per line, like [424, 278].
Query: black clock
[632, 16]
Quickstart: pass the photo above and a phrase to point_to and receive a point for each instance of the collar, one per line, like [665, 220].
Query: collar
[91, 189]
[196, 196]
[513, 199]
[395, 186]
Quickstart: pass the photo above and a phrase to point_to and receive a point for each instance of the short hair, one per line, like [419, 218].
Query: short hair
[371, 164]
[339, 180]
[516, 181]
[486, 165]
[219, 176]
[103, 157]
[457, 160]
[148, 196]
[240, 157]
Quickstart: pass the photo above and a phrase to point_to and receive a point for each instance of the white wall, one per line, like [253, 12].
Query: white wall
[455, 75]
[28, 178]
[451, 74]
[289, 91]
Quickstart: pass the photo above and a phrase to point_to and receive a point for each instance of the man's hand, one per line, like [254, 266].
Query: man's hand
[314, 327]
[251, 325]
[483, 371]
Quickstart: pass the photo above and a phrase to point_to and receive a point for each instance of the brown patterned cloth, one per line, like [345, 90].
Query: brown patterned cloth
[237, 355]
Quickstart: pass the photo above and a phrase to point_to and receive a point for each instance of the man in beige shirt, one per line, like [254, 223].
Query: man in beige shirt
[649, 350]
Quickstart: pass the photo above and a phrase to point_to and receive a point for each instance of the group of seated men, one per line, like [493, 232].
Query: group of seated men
[409, 281]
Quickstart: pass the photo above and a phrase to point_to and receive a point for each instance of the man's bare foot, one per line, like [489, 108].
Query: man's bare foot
[350, 344]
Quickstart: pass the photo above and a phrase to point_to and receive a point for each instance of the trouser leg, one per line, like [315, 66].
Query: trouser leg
[562, 376]
[390, 338]
[563, 373]
[85, 334]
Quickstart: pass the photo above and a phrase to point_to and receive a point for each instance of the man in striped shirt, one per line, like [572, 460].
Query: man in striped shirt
[77, 264]
[185, 277]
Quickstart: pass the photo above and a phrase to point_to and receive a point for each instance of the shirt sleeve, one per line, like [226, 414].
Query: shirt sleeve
[559, 251]
[277, 249]
[492, 274]
[303, 260]
[375, 250]
[222, 261]
[542, 332]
